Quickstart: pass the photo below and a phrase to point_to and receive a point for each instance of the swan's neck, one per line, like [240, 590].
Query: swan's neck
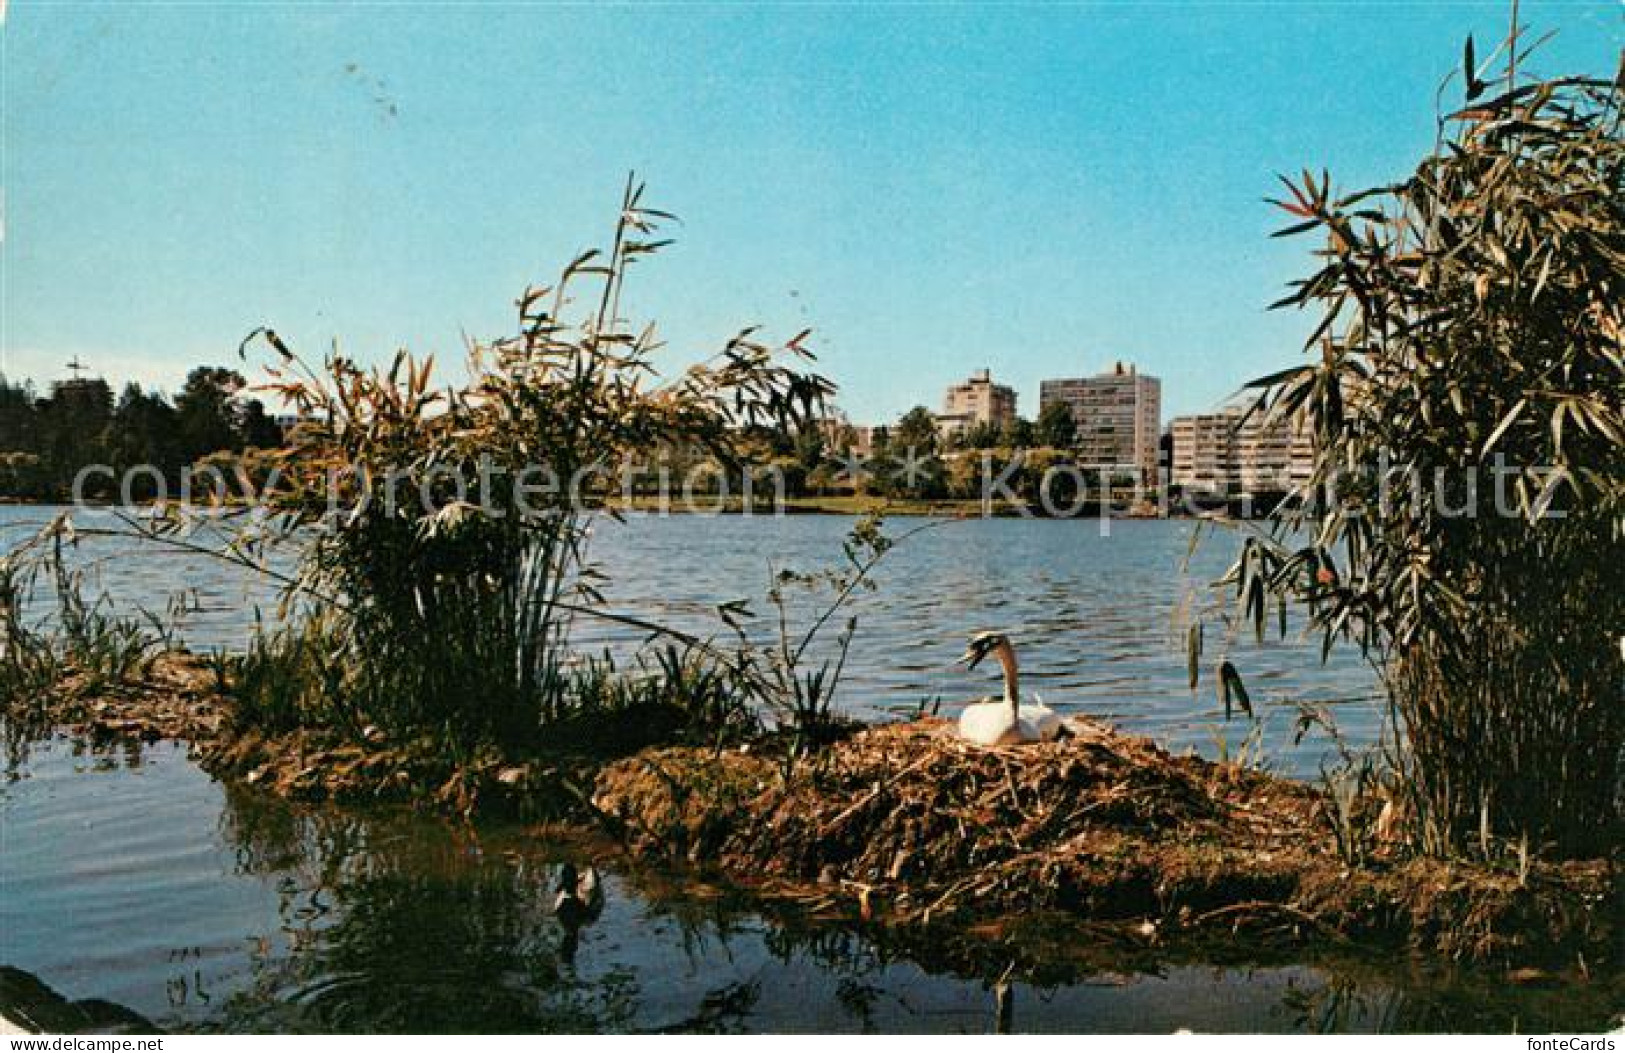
[1007, 659]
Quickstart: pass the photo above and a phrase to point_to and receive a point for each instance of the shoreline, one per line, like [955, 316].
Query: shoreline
[903, 826]
[801, 506]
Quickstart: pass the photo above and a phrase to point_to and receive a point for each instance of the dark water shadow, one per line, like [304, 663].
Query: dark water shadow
[131, 876]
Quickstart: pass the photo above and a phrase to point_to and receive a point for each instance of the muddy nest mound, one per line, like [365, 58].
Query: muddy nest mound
[1097, 822]
[908, 824]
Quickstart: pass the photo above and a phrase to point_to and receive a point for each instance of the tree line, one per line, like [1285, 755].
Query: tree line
[46, 440]
[909, 459]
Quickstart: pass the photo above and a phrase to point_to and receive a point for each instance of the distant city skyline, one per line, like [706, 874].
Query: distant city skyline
[1038, 190]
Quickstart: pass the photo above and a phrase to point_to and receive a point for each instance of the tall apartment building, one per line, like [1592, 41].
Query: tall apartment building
[976, 400]
[1204, 453]
[1118, 414]
[1221, 453]
[840, 435]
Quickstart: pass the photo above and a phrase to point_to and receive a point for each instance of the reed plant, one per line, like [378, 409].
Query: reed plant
[1466, 514]
[794, 676]
[669, 694]
[292, 674]
[28, 662]
[447, 612]
[57, 628]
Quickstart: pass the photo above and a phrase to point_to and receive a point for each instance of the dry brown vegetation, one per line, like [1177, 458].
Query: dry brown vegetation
[1468, 344]
[907, 824]
[908, 827]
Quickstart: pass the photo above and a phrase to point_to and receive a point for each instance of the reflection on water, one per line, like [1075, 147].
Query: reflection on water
[1093, 616]
[132, 876]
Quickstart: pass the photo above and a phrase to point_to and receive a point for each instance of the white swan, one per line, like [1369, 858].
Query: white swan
[1006, 721]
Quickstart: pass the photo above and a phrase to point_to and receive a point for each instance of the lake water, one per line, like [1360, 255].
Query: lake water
[1094, 610]
[130, 875]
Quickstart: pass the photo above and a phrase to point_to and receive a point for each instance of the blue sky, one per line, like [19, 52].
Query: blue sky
[933, 188]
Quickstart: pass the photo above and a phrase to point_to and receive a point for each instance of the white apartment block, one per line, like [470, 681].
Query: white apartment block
[976, 400]
[1118, 415]
[1221, 453]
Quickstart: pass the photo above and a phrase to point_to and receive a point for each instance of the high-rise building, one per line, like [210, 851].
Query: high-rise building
[1231, 451]
[840, 434]
[1204, 453]
[976, 400]
[1118, 416]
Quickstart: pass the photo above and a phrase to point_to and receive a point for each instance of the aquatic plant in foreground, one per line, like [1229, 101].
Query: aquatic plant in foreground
[1471, 319]
[451, 617]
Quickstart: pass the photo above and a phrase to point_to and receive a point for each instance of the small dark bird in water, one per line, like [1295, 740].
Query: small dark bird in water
[580, 897]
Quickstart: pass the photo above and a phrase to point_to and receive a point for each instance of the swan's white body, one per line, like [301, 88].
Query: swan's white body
[993, 724]
[1005, 722]
[1045, 719]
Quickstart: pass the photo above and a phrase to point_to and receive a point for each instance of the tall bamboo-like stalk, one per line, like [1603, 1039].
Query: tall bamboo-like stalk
[453, 614]
[1466, 514]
